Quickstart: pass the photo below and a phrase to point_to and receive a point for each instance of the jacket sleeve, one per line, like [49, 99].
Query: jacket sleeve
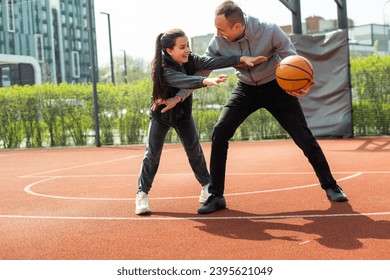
[282, 43]
[177, 79]
[206, 62]
[184, 93]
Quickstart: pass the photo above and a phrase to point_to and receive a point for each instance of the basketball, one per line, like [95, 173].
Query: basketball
[294, 73]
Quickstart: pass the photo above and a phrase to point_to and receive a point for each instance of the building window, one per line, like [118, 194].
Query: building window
[11, 16]
[39, 47]
[5, 76]
[76, 64]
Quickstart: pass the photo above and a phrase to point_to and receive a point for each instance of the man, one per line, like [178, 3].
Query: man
[239, 34]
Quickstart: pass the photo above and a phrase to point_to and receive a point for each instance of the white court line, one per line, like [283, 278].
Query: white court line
[151, 218]
[87, 165]
[28, 189]
[78, 166]
[200, 218]
[192, 174]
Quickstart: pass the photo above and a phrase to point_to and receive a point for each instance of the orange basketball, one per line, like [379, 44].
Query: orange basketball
[294, 73]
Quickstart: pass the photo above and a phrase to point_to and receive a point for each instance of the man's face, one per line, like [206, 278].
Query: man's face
[227, 30]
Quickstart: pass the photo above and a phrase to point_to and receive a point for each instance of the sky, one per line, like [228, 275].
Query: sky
[135, 24]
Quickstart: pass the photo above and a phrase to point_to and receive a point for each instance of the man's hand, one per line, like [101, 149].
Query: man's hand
[215, 81]
[252, 61]
[169, 103]
[303, 91]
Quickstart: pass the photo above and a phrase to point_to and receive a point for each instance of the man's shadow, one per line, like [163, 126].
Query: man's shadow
[338, 227]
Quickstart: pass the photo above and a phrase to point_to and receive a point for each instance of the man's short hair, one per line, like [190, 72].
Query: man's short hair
[231, 11]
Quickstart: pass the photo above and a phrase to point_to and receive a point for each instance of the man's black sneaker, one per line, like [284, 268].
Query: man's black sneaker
[336, 194]
[212, 204]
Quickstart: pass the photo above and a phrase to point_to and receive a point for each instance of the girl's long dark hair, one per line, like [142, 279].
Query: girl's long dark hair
[163, 41]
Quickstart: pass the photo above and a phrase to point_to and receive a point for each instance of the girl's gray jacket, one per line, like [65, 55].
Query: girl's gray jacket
[182, 77]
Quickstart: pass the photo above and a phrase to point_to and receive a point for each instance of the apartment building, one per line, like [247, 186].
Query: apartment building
[45, 41]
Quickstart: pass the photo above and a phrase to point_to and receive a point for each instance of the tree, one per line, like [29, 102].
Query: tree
[135, 68]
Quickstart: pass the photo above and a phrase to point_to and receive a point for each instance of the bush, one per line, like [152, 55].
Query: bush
[371, 95]
[62, 115]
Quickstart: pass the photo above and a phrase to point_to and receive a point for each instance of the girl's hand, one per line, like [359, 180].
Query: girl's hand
[157, 103]
[303, 91]
[252, 61]
[169, 103]
[215, 81]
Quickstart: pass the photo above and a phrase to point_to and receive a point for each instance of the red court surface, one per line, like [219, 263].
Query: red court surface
[78, 204]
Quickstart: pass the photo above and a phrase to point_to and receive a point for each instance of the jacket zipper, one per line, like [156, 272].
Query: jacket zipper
[250, 54]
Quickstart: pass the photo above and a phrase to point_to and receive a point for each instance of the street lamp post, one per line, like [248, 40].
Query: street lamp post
[125, 65]
[385, 26]
[93, 67]
[109, 38]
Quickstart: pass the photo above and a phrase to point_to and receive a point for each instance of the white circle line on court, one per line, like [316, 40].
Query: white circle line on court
[78, 166]
[28, 189]
[191, 174]
[200, 218]
[86, 165]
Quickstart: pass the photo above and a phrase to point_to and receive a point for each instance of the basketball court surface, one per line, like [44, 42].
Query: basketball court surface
[78, 204]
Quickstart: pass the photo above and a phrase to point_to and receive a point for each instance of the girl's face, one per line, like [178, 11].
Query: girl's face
[180, 51]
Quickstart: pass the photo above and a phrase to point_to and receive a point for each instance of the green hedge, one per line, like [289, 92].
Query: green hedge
[62, 115]
[370, 77]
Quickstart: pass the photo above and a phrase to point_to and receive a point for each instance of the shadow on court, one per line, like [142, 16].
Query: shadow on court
[339, 227]
[375, 145]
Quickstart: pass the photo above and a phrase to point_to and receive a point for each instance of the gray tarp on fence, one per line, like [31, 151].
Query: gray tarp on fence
[327, 107]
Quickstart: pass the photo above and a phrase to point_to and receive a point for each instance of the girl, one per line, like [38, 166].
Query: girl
[173, 68]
